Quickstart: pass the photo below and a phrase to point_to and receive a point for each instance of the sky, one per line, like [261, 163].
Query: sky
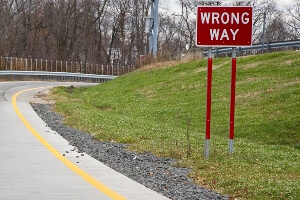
[281, 2]
[174, 5]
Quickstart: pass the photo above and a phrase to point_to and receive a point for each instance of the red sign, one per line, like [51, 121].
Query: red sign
[224, 26]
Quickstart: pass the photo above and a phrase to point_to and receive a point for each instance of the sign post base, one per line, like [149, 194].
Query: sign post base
[230, 146]
[206, 148]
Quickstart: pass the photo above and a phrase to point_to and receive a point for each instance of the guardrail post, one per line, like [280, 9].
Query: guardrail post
[51, 65]
[46, 65]
[30, 64]
[112, 70]
[35, 64]
[268, 47]
[66, 67]
[80, 66]
[61, 66]
[25, 64]
[11, 68]
[263, 36]
[86, 68]
[16, 68]
[71, 70]
[55, 65]
[41, 64]
[22, 63]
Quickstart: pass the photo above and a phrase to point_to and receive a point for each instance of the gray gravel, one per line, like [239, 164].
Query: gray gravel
[156, 173]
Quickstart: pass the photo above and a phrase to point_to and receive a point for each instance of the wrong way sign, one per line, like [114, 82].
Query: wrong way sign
[224, 26]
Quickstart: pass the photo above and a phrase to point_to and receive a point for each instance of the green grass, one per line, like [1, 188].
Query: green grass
[155, 110]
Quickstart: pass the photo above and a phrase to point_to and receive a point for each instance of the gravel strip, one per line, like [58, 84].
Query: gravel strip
[154, 172]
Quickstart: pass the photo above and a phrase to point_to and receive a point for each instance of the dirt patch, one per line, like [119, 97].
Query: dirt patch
[105, 108]
[70, 89]
[288, 62]
[42, 97]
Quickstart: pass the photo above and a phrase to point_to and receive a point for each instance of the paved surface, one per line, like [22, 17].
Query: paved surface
[37, 163]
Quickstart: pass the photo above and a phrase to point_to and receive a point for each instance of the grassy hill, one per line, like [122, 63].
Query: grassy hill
[162, 110]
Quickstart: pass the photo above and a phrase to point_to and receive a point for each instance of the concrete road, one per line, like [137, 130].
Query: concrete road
[33, 159]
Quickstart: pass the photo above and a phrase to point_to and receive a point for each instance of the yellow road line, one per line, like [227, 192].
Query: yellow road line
[104, 189]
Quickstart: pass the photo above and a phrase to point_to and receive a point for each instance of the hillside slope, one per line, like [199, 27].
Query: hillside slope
[162, 110]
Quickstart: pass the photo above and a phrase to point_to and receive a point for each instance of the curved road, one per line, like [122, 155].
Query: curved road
[33, 159]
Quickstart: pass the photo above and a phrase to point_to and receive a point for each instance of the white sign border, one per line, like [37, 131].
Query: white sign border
[222, 45]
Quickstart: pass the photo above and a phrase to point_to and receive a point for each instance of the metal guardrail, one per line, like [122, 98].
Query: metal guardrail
[267, 46]
[29, 64]
[60, 76]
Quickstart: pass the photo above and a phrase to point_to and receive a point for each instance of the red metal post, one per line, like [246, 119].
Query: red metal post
[208, 103]
[232, 100]
[208, 97]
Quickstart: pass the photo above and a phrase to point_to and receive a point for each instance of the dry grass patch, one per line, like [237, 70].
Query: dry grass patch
[200, 70]
[249, 80]
[193, 86]
[250, 65]
[249, 95]
[214, 67]
[149, 94]
[282, 86]
[291, 83]
[159, 65]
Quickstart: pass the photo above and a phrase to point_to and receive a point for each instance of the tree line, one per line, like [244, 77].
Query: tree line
[113, 31]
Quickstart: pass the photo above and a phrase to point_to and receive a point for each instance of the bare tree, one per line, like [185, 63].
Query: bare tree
[96, 30]
[277, 30]
[294, 21]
